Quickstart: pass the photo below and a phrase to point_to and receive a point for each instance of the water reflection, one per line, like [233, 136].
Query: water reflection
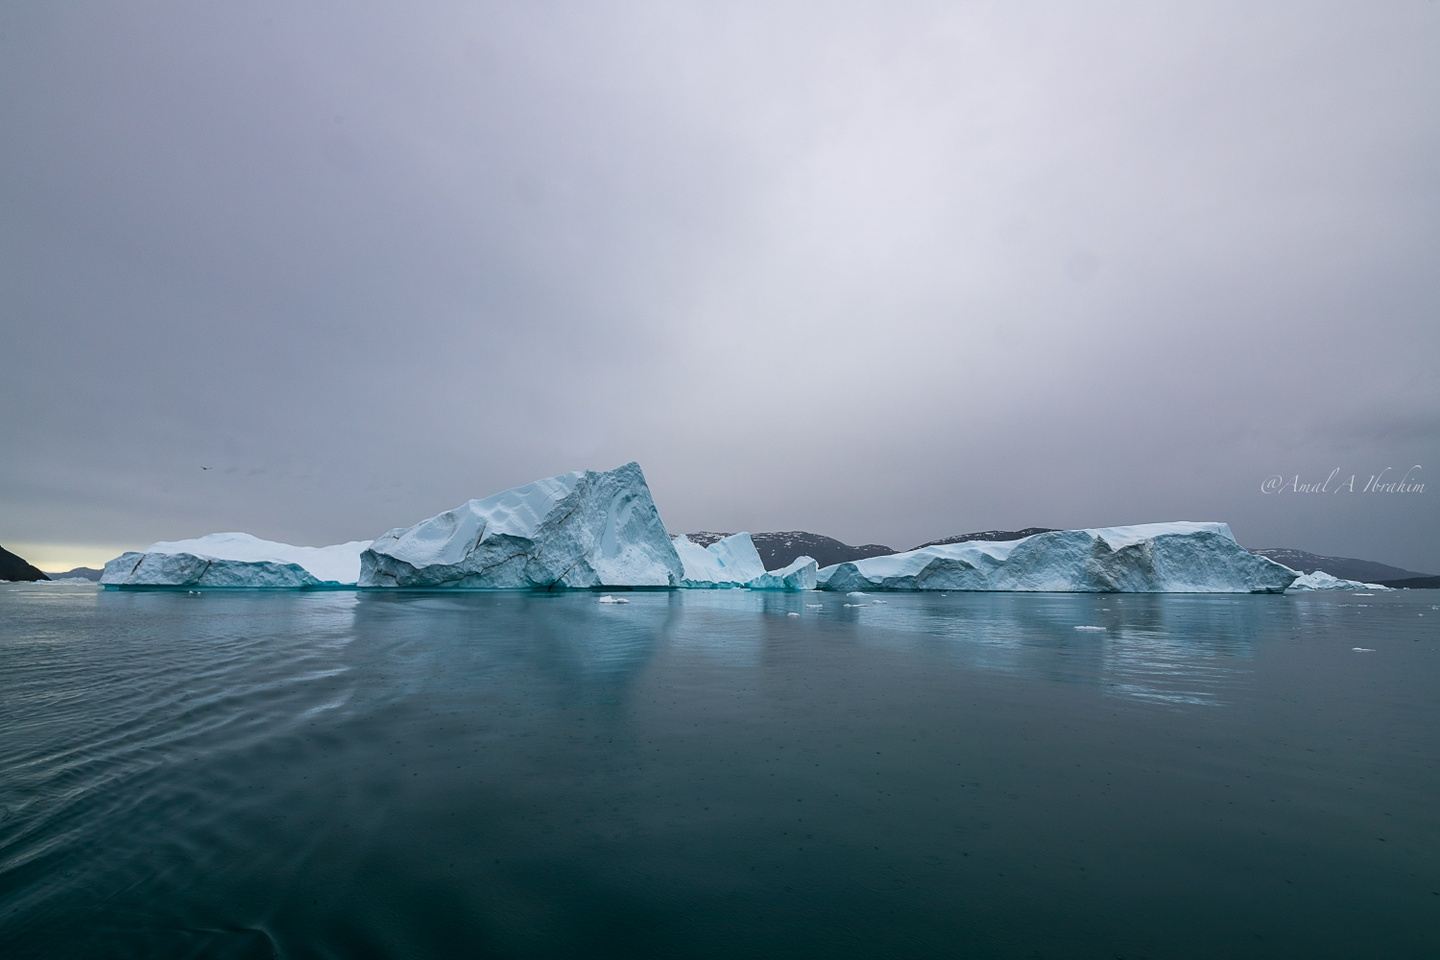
[393, 774]
[1170, 649]
[567, 641]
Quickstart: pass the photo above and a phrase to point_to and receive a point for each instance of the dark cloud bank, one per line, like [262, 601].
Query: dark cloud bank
[884, 273]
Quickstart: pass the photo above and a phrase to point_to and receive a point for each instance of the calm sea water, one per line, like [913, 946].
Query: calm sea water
[693, 774]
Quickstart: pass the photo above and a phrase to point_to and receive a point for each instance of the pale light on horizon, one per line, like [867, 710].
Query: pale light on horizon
[60, 557]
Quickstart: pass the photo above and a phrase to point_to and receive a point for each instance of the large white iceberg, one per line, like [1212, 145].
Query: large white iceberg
[799, 574]
[1179, 557]
[235, 560]
[580, 529]
[1320, 580]
[730, 561]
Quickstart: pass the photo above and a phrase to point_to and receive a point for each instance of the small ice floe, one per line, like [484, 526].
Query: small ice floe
[609, 599]
[1363, 649]
[857, 594]
[879, 601]
[855, 604]
[1362, 594]
[792, 613]
[814, 606]
[192, 593]
[1088, 628]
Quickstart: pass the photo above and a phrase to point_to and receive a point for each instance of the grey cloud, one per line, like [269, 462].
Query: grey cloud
[885, 274]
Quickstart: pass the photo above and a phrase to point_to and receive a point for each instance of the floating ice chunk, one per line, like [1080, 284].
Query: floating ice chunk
[799, 574]
[1320, 580]
[730, 561]
[792, 613]
[1087, 628]
[609, 599]
[1363, 649]
[1180, 557]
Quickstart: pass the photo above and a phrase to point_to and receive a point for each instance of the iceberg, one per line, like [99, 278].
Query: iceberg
[235, 560]
[1178, 557]
[730, 561]
[1320, 580]
[581, 529]
[733, 561]
[799, 575]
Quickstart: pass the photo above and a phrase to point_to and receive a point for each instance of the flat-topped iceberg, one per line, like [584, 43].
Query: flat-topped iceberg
[235, 560]
[1320, 580]
[800, 574]
[730, 561]
[1179, 557]
[581, 529]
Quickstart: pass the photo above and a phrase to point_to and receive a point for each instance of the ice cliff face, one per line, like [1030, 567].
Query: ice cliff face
[799, 575]
[731, 561]
[580, 529]
[235, 560]
[1320, 580]
[1180, 557]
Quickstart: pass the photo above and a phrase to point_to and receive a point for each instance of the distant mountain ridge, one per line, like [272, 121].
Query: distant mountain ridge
[1346, 568]
[778, 549]
[1413, 583]
[999, 536]
[78, 573]
[16, 569]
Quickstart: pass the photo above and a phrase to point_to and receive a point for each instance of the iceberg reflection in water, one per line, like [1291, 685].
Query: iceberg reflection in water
[715, 774]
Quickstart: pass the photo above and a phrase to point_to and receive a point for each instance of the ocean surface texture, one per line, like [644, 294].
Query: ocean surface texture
[718, 774]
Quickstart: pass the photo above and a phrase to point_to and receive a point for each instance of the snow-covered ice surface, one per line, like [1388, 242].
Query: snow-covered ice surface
[797, 575]
[1320, 580]
[1178, 557]
[580, 529]
[235, 560]
[730, 561]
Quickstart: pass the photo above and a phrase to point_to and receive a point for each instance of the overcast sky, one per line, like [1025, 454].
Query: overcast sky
[882, 271]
